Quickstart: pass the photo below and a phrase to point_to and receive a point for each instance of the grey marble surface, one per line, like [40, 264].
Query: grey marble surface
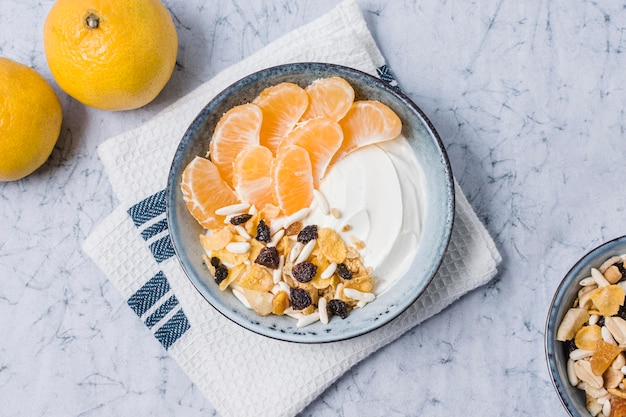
[528, 98]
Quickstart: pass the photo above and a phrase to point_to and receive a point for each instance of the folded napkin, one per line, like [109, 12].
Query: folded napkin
[242, 373]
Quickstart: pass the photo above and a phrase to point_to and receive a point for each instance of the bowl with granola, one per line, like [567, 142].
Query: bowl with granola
[585, 334]
[310, 202]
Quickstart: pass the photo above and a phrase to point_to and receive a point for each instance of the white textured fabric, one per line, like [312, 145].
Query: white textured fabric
[236, 369]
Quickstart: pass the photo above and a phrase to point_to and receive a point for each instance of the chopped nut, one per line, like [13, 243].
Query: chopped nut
[280, 302]
[617, 327]
[583, 371]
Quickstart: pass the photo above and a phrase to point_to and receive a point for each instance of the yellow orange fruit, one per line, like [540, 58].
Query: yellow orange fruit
[321, 137]
[251, 176]
[111, 54]
[367, 122]
[204, 191]
[292, 178]
[329, 97]
[30, 120]
[237, 129]
[282, 106]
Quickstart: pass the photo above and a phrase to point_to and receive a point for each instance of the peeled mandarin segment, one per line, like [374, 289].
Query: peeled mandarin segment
[588, 337]
[321, 137]
[251, 176]
[237, 130]
[292, 179]
[204, 191]
[282, 106]
[367, 122]
[608, 299]
[603, 355]
[329, 97]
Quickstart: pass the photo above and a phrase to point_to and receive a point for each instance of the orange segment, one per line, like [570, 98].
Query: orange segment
[367, 122]
[329, 97]
[282, 107]
[321, 137]
[204, 191]
[251, 176]
[237, 129]
[292, 179]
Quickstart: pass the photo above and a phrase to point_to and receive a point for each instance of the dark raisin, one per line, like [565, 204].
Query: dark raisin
[263, 232]
[215, 262]
[307, 234]
[300, 298]
[600, 321]
[621, 312]
[622, 270]
[240, 219]
[304, 271]
[268, 257]
[337, 307]
[569, 346]
[221, 272]
[343, 271]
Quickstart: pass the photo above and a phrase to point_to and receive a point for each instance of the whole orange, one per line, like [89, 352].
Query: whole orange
[111, 54]
[30, 120]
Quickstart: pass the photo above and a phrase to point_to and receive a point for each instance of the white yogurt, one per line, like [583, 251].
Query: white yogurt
[379, 191]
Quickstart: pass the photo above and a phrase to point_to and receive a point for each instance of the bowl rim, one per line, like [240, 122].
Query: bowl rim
[551, 326]
[450, 201]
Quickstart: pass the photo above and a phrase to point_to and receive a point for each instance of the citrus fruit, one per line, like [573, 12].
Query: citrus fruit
[110, 54]
[204, 191]
[367, 122]
[282, 106]
[292, 179]
[30, 120]
[251, 176]
[237, 129]
[321, 137]
[329, 97]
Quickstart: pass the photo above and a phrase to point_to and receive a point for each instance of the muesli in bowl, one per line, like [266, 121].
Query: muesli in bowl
[310, 201]
[586, 334]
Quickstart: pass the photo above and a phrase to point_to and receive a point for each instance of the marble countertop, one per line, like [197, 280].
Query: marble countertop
[529, 100]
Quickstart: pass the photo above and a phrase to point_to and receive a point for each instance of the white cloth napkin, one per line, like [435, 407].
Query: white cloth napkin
[241, 373]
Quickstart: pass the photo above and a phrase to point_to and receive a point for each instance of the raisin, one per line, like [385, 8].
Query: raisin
[221, 272]
[343, 271]
[300, 298]
[307, 234]
[622, 270]
[268, 256]
[338, 308]
[240, 219]
[621, 312]
[304, 271]
[215, 262]
[263, 232]
[569, 346]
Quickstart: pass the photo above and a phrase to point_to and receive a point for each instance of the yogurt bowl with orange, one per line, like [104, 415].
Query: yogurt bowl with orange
[310, 202]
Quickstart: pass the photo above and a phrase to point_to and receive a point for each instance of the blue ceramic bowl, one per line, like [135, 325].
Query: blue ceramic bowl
[437, 221]
[572, 398]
